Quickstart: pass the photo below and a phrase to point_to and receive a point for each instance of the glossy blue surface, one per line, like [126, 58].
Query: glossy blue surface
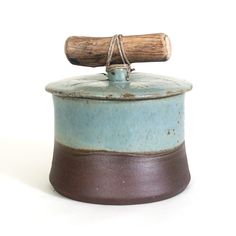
[123, 126]
[116, 112]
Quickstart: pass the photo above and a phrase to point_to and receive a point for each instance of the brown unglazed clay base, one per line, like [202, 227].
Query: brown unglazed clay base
[118, 178]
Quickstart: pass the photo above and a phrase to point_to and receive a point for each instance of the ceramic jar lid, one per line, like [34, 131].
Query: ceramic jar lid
[116, 86]
[116, 53]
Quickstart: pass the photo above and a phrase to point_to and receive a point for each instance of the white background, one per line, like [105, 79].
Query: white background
[32, 35]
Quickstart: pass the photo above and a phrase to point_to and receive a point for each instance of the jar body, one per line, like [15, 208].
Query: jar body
[119, 152]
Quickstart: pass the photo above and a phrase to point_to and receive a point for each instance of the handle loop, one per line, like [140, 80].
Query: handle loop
[117, 40]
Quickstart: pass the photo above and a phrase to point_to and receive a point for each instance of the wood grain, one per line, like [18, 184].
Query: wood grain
[92, 51]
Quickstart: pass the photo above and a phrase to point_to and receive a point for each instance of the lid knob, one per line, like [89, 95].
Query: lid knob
[93, 51]
[118, 73]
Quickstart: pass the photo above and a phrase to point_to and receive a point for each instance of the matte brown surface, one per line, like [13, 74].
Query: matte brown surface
[118, 178]
[92, 51]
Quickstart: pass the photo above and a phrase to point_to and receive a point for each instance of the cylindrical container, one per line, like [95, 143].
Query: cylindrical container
[119, 137]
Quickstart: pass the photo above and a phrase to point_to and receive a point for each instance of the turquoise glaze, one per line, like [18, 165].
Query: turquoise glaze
[133, 126]
[140, 86]
[142, 113]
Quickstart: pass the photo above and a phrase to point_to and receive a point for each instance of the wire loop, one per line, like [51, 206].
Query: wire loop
[118, 40]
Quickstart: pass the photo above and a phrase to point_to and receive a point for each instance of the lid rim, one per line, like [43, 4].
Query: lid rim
[117, 98]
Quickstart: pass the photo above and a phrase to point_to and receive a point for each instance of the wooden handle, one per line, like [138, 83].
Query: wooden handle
[92, 51]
